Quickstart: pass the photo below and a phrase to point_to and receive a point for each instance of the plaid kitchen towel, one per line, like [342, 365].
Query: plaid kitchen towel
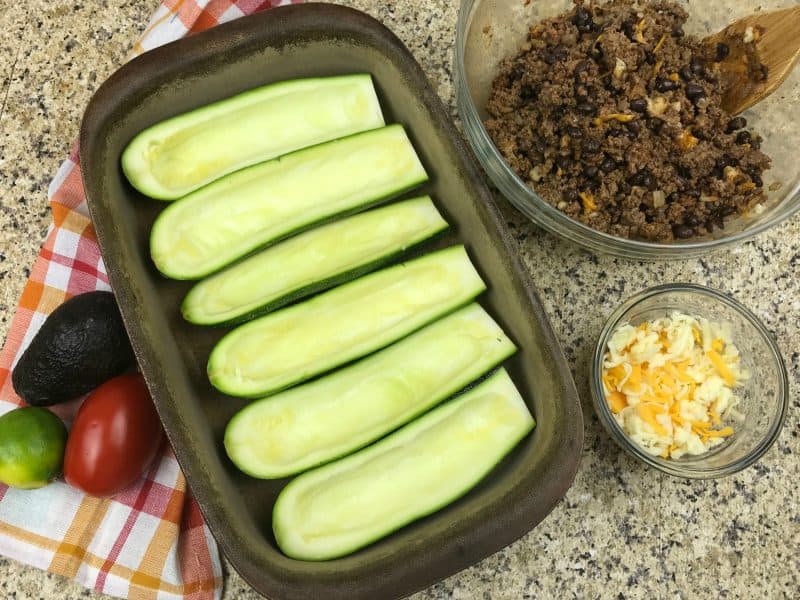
[149, 541]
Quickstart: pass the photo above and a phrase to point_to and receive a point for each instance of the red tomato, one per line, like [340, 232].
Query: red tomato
[114, 438]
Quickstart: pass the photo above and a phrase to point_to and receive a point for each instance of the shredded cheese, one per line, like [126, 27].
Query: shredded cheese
[589, 205]
[686, 141]
[669, 384]
[621, 117]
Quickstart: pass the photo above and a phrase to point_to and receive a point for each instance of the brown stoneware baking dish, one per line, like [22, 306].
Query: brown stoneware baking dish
[285, 43]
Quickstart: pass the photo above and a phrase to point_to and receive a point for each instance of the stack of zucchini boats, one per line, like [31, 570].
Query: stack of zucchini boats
[349, 348]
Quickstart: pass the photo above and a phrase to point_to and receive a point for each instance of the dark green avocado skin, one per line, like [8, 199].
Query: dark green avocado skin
[82, 344]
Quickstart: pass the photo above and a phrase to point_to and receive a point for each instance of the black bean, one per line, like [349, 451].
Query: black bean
[722, 52]
[700, 134]
[656, 125]
[573, 132]
[590, 184]
[692, 220]
[694, 194]
[744, 137]
[535, 157]
[623, 188]
[615, 132]
[682, 231]
[591, 146]
[727, 210]
[608, 165]
[563, 162]
[517, 72]
[553, 55]
[665, 85]
[586, 108]
[697, 65]
[736, 123]
[686, 73]
[590, 171]
[717, 172]
[643, 207]
[694, 92]
[677, 31]
[581, 16]
[684, 171]
[571, 195]
[673, 197]
[612, 89]
[528, 93]
[523, 142]
[558, 112]
[538, 144]
[638, 105]
[726, 160]
[629, 29]
[650, 58]
[756, 178]
[634, 127]
[640, 178]
[582, 20]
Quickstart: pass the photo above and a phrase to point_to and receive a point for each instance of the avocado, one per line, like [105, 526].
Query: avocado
[82, 344]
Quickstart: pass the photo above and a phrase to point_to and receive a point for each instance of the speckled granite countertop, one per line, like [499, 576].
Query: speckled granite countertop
[623, 530]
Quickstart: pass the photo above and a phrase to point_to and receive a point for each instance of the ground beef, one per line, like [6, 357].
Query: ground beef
[612, 115]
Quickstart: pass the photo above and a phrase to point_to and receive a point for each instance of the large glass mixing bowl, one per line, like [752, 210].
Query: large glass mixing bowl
[490, 30]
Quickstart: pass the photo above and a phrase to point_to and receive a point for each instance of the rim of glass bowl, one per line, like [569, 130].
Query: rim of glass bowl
[550, 218]
[671, 467]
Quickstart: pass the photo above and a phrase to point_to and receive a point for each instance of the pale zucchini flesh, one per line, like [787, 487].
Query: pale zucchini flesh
[179, 155]
[312, 262]
[338, 508]
[309, 338]
[260, 205]
[337, 414]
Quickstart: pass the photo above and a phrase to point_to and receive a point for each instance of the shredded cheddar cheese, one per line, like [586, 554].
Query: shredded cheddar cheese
[621, 117]
[589, 205]
[669, 384]
[686, 141]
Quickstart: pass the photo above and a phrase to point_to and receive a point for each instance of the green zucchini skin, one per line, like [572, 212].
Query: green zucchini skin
[307, 339]
[182, 154]
[261, 205]
[312, 262]
[343, 506]
[335, 415]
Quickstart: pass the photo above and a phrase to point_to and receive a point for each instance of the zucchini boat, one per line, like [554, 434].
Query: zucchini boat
[332, 416]
[312, 262]
[257, 206]
[303, 340]
[343, 506]
[181, 154]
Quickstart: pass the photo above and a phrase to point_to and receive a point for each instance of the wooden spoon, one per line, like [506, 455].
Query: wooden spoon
[763, 50]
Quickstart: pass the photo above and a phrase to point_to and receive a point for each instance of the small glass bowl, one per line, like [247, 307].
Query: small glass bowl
[490, 30]
[763, 398]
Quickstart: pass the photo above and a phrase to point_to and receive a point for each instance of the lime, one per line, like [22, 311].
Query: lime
[32, 444]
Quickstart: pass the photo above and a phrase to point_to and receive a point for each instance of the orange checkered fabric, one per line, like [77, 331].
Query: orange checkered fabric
[150, 541]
